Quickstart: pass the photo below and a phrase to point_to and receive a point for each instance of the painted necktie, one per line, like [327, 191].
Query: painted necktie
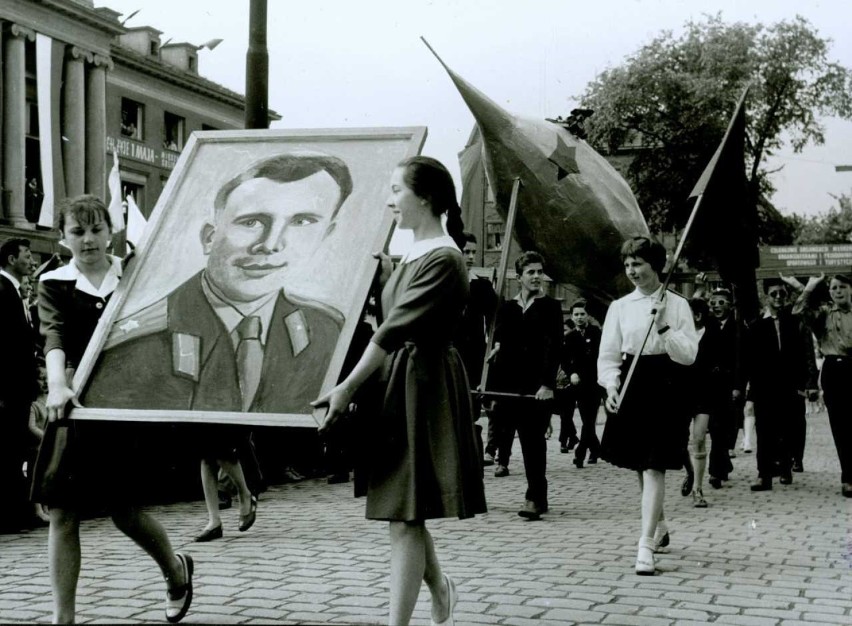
[249, 358]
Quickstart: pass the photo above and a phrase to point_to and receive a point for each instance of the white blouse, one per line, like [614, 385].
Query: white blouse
[626, 324]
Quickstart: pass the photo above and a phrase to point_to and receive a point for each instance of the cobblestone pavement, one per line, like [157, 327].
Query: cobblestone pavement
[781, 557]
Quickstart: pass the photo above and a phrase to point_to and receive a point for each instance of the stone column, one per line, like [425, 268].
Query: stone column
[74, 121]
[96, 126]
[14, 120]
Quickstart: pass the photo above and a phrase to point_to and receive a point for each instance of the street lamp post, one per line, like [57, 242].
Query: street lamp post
[257, 68]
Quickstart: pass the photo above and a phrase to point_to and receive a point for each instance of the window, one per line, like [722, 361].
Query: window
[132, 119]
[494, 232]
[154, 49]
[173, 126]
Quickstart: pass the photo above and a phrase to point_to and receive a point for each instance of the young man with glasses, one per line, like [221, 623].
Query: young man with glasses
[782, 373]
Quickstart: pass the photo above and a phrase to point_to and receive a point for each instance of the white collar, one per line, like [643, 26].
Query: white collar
[638, 295]
[72, 273]
[424, 246]
[15, 282]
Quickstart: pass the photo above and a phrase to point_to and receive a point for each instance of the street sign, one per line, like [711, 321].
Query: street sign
[807, 258]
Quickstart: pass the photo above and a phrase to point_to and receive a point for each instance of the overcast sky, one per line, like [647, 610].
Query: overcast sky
[345, 63]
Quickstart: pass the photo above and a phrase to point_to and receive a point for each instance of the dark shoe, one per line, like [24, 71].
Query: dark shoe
[544, 508]
[716, 483]
[340, 477]
[488, 460]
[762, 484]
[846, 490]
[210, 534]
[732, 454]
[247, 521]
[292, 475]
[179, 598]
[592, 460]
[501, 470]
[572, 442]
[225, 501]
[686, 486]
[564, 449]
[531, 511]
[798, 467]
[578, 463]
[698, 500]
[786, 478]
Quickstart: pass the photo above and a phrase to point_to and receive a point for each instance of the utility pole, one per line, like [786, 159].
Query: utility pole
[257, 68]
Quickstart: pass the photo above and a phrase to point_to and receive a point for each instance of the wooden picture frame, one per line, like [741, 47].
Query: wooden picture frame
[159, 353]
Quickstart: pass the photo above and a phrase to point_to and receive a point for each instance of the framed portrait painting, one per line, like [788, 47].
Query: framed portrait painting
[245, 291]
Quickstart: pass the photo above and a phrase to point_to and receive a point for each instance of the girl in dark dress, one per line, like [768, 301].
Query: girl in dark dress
[71, 300]
[426, 464]
[646, 428]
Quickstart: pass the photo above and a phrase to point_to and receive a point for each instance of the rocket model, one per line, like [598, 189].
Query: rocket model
[573, 206]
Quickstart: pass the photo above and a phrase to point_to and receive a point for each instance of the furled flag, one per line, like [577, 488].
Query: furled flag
[116, 209]
[725, 224]
[136, 222]
[49, 55]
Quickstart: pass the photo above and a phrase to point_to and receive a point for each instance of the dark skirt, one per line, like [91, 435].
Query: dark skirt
[424, 460]
[651, 428]
[93, 466]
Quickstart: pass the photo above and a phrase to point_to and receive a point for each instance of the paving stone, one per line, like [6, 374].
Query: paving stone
[750, 559]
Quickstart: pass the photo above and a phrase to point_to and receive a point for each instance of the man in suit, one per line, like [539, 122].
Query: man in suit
[527, 345]
[230, 338]
[471, 335]
[18, 380]
[782, 372]
[579, 362]
[727, 385]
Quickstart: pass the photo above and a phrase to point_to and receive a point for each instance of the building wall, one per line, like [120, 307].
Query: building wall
[91, 73]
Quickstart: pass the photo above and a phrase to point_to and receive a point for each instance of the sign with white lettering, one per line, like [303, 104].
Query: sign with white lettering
[806, 256]
[130, 149]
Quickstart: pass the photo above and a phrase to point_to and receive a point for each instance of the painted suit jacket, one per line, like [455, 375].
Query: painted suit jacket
[177, 354]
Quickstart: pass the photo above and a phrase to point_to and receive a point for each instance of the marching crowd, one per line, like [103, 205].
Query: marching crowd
[668, 370]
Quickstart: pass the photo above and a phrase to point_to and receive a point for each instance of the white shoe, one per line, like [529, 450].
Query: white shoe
[645, 557]
[452, 598]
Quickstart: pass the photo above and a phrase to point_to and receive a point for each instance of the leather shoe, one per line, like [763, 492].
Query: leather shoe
[846, 490]
[501, 470]
[592, 460]
[531, 511]
[210, 534]
[578, 463]
[786, 478]
[572, 442]
[179, 598]
[762, 484]
[247, 521]
[716, 483]
[798, 467]
[564, 449]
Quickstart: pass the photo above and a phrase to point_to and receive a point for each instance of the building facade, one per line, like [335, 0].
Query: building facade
[78, 87]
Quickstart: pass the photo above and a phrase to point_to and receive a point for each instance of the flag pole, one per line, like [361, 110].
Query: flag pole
[701, 185]
[501, 276]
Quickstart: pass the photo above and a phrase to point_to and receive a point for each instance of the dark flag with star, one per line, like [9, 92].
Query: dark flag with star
[724, 229]
[573, 206]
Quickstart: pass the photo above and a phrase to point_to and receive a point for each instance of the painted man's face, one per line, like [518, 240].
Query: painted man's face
[265, 231]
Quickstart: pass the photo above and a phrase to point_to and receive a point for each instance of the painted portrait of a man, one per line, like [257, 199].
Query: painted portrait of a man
[230, 338]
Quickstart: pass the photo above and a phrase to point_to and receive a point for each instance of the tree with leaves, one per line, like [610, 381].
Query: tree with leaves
[675, 95]
[833, 226]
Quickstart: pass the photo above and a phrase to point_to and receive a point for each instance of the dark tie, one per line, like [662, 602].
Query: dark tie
[24, 302]
[249, 358]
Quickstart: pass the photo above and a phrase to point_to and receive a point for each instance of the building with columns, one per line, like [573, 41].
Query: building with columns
[76, 87]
